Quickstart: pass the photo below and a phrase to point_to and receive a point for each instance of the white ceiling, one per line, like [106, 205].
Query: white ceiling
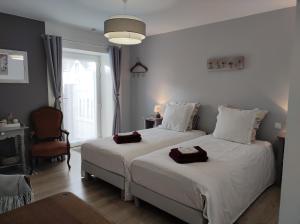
[161, 16]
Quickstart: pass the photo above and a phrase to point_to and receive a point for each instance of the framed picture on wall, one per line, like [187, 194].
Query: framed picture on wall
[13, 66]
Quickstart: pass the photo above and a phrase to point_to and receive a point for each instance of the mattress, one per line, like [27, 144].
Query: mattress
[108, 155]
[222, 188]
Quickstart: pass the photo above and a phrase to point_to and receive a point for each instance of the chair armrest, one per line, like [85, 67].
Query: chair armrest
[65, 131]
[14, 184]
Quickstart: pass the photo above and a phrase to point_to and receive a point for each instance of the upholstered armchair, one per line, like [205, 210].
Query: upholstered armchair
[15, 192]
[47, 139]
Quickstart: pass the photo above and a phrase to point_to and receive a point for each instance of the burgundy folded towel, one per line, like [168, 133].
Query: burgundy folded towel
[132, 138]
[179, 157]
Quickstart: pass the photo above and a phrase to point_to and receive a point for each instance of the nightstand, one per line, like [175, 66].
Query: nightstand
[279, 154]
[152, 122]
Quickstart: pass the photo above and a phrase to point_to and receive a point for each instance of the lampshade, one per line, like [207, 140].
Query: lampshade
[157, 108]
[125, 30]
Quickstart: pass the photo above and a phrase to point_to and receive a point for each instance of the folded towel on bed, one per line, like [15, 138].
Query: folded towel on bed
[188, 155]
[132, 138]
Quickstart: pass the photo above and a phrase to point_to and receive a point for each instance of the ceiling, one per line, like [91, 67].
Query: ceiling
[161, 16]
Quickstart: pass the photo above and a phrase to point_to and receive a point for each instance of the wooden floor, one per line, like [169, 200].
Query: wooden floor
[55, 177]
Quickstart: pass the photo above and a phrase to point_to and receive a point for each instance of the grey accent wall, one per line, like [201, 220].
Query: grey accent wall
[290, 196]
[23, 34]
[177, 69]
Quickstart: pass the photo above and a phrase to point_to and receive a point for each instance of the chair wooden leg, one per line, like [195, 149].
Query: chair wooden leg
[68, 161]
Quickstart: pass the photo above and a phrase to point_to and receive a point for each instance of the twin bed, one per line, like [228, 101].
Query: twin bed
[219, 190]
[215, 192]
[111, 162]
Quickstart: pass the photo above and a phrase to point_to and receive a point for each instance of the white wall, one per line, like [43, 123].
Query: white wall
[74, 37]
[290, 193]
[178, 70]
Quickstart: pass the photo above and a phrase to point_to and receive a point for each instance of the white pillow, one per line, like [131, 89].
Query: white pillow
[260, 116]
[194, 116]
[235, 125]
[177, 116]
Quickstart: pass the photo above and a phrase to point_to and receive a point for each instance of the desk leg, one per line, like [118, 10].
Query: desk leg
[23, 149]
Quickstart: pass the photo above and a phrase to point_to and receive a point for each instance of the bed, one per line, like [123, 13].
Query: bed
[215, 192]
[110, 162]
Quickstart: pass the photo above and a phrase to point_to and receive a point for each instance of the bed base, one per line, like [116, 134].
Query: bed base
[168, 205]
[88, 169]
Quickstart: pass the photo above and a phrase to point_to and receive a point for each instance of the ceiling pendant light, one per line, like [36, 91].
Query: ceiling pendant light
[125, 30]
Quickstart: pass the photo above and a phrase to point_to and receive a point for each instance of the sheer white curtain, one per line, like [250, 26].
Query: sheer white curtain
[81, 101]
[107, 101]
[87, 95]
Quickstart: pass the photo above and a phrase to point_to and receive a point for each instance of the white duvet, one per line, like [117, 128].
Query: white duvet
[223, 188]
[108, 155]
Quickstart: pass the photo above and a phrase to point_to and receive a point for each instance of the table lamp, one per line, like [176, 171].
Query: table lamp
[157, 109]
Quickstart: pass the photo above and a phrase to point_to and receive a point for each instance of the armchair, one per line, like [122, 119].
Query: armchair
[15, 192]
[47, 138]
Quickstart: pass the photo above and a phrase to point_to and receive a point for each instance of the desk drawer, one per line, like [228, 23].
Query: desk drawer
[10, 134]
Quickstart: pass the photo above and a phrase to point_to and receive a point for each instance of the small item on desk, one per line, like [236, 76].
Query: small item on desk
[10, 122]
[10, 117]
[12, 125]
[3, 123]
[188, 155]
[132, 138]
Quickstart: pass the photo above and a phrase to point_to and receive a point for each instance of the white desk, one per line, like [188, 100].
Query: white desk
[17, 133]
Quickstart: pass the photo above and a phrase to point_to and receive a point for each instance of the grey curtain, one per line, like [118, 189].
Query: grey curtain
[115, 56]
[53, 48]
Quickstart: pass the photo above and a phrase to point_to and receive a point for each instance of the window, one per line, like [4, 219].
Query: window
[82, 94]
